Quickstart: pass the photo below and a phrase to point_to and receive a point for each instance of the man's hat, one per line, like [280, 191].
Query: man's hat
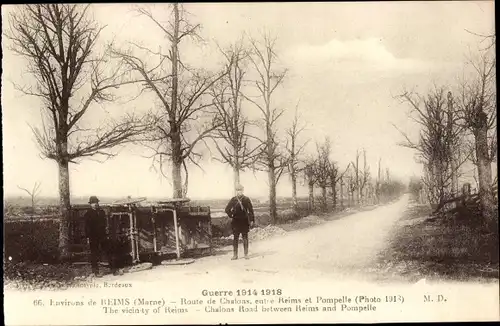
[239, 187]
[93, 200]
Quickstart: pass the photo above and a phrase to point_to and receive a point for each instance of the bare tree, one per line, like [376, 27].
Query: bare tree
[323, 170]
[342, 179]
[33, 195]
[237, 150]
[477, 113]
[379, 181]
[59, 43]
[454, 144]
[310, 177]
[489, 38]
[437, 144]
[187, 113]
[272, 158]
[334, 177]
[355, 185]
[365, 177]
[351, 188]
[295, 150]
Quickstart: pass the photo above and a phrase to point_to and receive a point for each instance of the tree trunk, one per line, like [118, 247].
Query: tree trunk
[175, 58]
[452, 151]
[440, 182]
[334, 195]
[175, 138]
[236, 173]
[294, 189]
[349, 193]
[64, 209]
[177, 179]
[236, 144]
[324, 204]
[484, 175]
[177, 159]
[341, 193]
[311, 197]
[272, 196]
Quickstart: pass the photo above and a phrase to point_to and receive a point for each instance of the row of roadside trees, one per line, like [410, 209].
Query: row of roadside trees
[458, 126]
[74, 72]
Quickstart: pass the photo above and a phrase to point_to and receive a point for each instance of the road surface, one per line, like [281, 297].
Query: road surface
[330, 260]
[342, 249]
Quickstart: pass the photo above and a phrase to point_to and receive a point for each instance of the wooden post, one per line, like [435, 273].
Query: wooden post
[177, 249]
[210, 232]
[153, 222]
[133, 233]
[132, 242]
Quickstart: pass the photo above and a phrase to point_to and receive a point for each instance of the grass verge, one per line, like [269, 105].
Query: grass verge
[440, 248]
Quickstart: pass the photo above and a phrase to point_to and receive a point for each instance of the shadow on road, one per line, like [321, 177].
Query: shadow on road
[223, 252]
[261, 254]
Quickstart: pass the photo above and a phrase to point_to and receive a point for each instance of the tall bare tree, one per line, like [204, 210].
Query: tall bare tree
[454, 144]
[33, 195]
[436, 145]
[365, 177]
[310, 178]
[351, 187]
[187, 114]
[355, 185]
[237, 150]
[60, 45]
[335, 177]
[378, 183]
[272, 158]
[477, 113]
[295, 149]
[342, 183]
[323, 170]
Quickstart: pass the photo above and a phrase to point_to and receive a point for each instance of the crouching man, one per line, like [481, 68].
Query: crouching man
[240, 210]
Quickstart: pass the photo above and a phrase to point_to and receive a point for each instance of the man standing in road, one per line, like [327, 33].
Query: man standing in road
[240, 210]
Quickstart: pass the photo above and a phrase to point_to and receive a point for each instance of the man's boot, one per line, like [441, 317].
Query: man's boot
[94, 262]
[235, 249]
[245, 246]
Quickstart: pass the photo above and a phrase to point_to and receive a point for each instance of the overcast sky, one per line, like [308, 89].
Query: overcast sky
[346, 61]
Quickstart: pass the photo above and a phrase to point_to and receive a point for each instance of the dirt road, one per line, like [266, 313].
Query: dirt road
[337, 249]
[342, 248]
[330, 260]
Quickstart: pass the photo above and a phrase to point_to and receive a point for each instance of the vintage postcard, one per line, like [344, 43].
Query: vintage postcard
[200, 163]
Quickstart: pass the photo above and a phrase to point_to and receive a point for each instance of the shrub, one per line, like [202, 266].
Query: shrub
[25, 240]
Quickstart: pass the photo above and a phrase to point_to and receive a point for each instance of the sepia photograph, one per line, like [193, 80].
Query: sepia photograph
[295, 162]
